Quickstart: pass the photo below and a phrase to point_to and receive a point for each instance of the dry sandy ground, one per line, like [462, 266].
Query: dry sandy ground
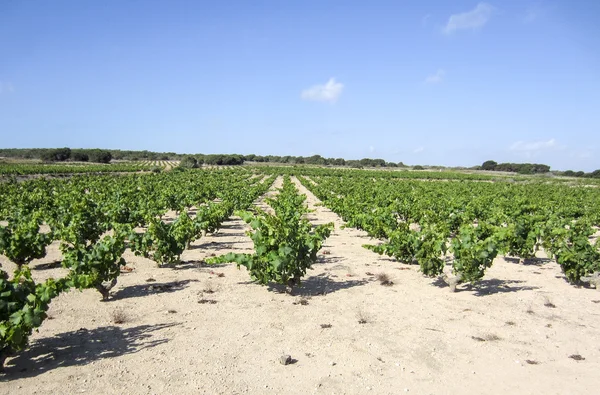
[515, 333]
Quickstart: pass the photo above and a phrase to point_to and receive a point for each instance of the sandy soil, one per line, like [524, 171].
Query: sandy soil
[209, 330]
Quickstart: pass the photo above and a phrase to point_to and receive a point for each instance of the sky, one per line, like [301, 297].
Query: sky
[431, 82]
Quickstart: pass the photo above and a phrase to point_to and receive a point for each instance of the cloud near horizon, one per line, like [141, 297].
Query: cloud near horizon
[533, 146]
[470, 20]
[436, 78]
[329, 92]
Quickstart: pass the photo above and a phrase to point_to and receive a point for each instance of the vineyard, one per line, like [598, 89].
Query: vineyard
[21, 169]
[160, 163]
[202, 280]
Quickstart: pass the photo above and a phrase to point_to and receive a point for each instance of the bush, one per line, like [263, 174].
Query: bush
[100, 156]
[56, 155]
[80, 157]
[594, 174]
[285, 243]
[489, 165]
[188, 162]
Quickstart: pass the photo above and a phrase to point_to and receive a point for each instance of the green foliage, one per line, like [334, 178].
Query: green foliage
[221, 160]
[99, 156]
[403, 244]
[378, 222]
[78, 220]
[188, 162]
[520, 238]
[164, 242]
[21, 241]
[474, 249]
[56, 155]
[426, 247]
[489, 165]
[432, 247]
[594, 174]
[574, 253]
[58, 169]
[523, 168]
[23, 306]
[92, 216]
[79, 156]
[96, 265]
[285, 243]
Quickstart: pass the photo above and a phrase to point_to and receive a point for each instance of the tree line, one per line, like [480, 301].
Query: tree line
[105, 156]
[59, 154]
[533, 168]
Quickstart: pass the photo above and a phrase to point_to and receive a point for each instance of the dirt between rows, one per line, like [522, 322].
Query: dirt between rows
[210, 330]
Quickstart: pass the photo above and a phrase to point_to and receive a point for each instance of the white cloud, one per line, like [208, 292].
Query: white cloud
[329, 92]
[425, 19]
[533, 146]
[584, 155]
[470, 20]
[535, 12]
[6, 87]
[418, 150]
[530, 15]
[371, 149]
[435, 78]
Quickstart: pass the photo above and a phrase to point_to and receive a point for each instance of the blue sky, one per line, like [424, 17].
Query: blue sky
[423, 82]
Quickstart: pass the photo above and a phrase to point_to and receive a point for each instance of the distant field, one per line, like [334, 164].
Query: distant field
[32, 168]
[160, 163]
[28, 167]
[18, 167]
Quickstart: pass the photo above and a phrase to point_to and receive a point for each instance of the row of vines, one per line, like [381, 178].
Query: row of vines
[95, 219]
[25, 169]
[467, 224]
[453, 228]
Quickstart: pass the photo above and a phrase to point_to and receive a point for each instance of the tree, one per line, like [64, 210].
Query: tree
[594, 174]
[188, 162]
[231, 160]
[315, 160]
[78, 156]
[100, 156]
[56, 155]
[489, 165]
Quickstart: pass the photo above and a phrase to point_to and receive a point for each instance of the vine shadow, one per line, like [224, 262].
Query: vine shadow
[216, 246]
[47, 266]
[80, 347]
[488, 287]
[320, 284]
[536, 261]
[195, 264]
[140, 290]
[495, 286]
[325, 259]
